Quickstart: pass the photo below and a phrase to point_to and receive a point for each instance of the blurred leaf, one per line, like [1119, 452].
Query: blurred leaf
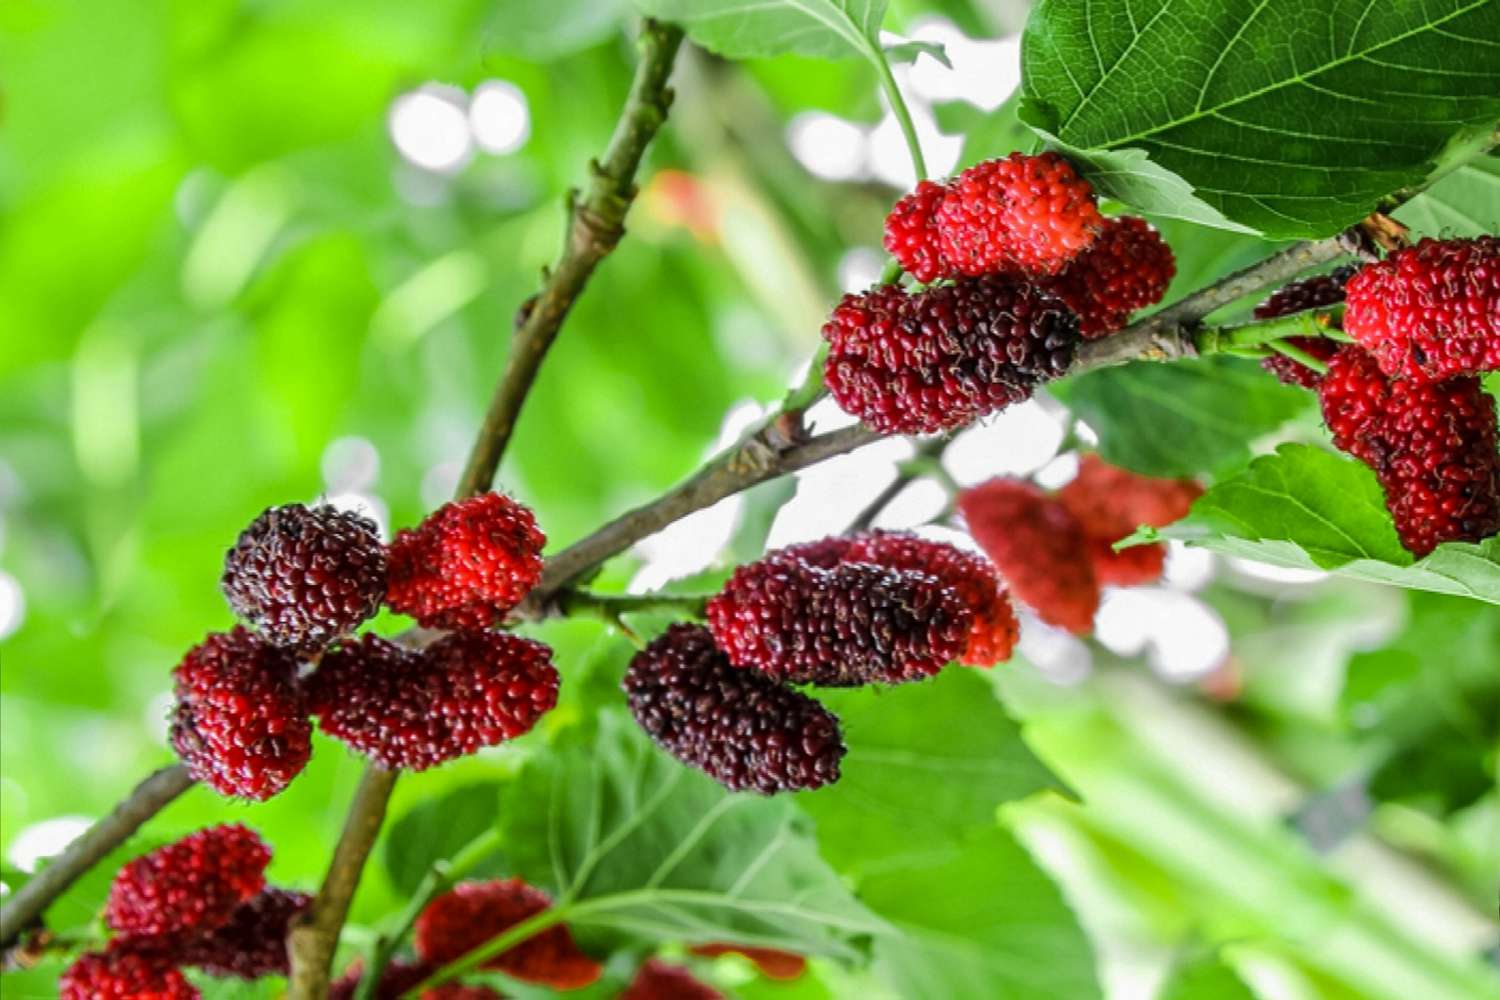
[1291, 126]
[438, 829]
[1206, 978]
[628, 839]
[831, 29]
[557, 28]
[909, 52]
[927, 765]
[986, 134]
[986, 922]
[1181, 419]
[1465, 203]
[1310, 509]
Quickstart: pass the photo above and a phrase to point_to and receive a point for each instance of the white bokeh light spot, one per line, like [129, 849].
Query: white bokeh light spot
[827, 145]
[350, 463]
[12, 605]
[44, 840]
[499, 117]
[430, 128]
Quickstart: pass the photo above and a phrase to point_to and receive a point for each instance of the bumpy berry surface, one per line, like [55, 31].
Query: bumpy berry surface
[739, 727]
[240, 723]
[1031, 214]
[1129, 267]
[854, 623]
[772, 962]
[1432, 446]
[467, 564]
[415, 710]
[1039, 547]
[944, 357]
[123, 972]
[994, 631]
[1430, 311]
[471, 913]
[657, 980]
[304, 577]
[1295, 297]
[911, 234]
[253, 942]
[192, 884]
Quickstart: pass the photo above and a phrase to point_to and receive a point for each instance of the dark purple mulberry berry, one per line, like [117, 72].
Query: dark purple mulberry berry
[304, 577]
[1298, 296]
[741, 728]
[253, 942]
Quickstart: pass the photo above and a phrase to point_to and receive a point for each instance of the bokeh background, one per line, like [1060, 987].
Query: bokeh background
[252, 253]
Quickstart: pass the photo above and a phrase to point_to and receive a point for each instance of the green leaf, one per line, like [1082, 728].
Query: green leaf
[630, 840]
[909, 52]
[927, 765]
[540, 31]
[1181, 419]
[1206, 978]
[985, 923]
[1291, 123]
[1464, 203]
[437, 830]
[747, 29]
[1310, 509]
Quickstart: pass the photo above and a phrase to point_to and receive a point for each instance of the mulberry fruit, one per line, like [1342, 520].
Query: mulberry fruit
[855, 623]
[772, 962]
[304, 577]
[472, 913]
[1298, 296]
[994, 631]
[657, 980]
[253, 942]
[1041, 550]
[124, 972]
[1433, 448]
[240, 724]
[911, 234]
[415, 710]
[193, 884]
[1110, 503]
[467, 564]
[1430, 311]
[739, 727]
[942, 358]
[1129, 267]
[395, 979]
[1031, 214]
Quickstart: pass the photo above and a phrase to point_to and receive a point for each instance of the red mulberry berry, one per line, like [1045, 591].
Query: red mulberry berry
[472, 913]
[656, 980]
[855, 623]
[1432, 446]
[994, 630]
[1430, 311]
[1039, 547]
[1298, 296]
[911, 234]
[1031, 214]
[772, 963]
[739, 727]
[1129, 267]
[415, 710]
[306, 577]
[1110, 503]
[467, 564]
[253, 943]
[240, 724]
[395, 979]
[124, 972]
[944, 357]
[193, 884]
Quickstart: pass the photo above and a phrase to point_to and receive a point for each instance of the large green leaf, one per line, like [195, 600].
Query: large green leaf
[744, 29]
[1287, 119]
[1206, 978]
[534, 30]
[1464, 203]
[436, 830]
[1310, 509]
[630, 840]
[1180, 419]
[986, 923]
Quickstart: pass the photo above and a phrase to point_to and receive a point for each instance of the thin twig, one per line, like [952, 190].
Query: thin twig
[146, 800]
[928, 453]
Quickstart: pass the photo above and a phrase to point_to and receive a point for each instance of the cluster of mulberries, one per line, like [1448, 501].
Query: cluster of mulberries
[472, 913]
[1405, 400]
[1028, 268]
[202, 902]
[305, 579]
[1056, 550]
